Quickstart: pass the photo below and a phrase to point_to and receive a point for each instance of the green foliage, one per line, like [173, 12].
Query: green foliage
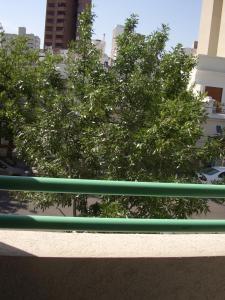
[137, 120]
[26, 84]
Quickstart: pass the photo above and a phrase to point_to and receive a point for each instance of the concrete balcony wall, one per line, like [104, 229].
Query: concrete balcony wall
[209, 128]
[210, 71]
[47, 265]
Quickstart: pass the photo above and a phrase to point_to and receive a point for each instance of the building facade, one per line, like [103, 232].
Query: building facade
[212, 28]
[101, 46]
[61, 22]
[117, 31]
[209, 75]
[33, 41]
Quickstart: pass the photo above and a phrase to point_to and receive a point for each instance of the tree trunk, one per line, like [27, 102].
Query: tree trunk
[74, 207]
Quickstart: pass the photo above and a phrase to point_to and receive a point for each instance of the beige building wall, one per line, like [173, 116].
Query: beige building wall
[221, 43]
[117, 31]
[210, 27]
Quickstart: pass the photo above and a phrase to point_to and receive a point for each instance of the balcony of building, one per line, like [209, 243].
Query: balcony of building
[61, 11]
[51, 265]
[91, 258]
[48, 33]
[50, 12]
[49, 21]
[214, 109]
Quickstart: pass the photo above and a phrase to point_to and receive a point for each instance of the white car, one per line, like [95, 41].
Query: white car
[7, 169]
[212, 174]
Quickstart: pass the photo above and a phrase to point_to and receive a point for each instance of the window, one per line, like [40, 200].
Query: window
[61, 4]
[216, 93]
[210, 171]
[60, 20]
[61, 13]
[48, 36]
[59, 36]
[222, 175]
[219, 129]
[51, 4]
[49, 28]
[49, 20]
[59, 45]
[58, 28]
[50, 13]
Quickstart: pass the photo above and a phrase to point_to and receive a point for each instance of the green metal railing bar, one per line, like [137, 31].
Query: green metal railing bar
[105, 187]
[110, 225]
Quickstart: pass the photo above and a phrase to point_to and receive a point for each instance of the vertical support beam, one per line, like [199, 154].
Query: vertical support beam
[210, 27]
[221, 43]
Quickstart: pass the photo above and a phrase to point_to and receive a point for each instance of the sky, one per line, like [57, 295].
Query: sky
[182, 16]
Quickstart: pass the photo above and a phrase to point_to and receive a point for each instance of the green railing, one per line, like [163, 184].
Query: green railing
[95, 187]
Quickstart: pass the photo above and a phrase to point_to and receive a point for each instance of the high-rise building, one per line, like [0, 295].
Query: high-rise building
[101, 45]
[212, 28]
[61, 22]
[209, 75]
[117, 31]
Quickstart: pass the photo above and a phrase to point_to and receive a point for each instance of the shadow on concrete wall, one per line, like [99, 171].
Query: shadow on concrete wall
[139, 278]
[7, 250]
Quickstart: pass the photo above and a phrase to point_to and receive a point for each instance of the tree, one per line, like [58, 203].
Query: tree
[26, 83]
[55, 142]
[154, 126]
[136, 121]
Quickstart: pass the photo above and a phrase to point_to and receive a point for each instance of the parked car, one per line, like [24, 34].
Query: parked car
[8, 169]
[212, 174]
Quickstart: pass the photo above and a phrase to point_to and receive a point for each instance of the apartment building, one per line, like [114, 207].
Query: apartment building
[61, 22]
[33, 41]
[117, 31]
[209, 75]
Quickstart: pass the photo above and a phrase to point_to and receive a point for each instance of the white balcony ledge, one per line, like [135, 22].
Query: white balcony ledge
[54, 244]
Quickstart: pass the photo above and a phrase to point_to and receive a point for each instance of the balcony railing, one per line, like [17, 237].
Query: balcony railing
[103, 187]
[213, 107]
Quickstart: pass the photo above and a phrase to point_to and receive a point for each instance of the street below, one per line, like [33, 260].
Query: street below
[12, 207]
